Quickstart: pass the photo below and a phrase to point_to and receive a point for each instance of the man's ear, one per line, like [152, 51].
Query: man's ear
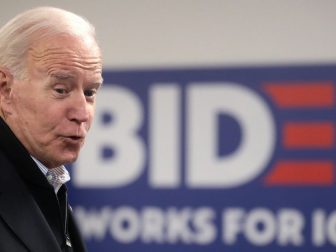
[6, 80]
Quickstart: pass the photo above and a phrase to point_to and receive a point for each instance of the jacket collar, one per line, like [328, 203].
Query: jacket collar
[20, 157]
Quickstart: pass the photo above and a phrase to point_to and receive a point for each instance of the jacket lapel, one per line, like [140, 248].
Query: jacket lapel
[18, 208]
[76, 239]
[29, 224]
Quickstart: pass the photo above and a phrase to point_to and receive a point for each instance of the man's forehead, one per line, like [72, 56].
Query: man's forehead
[64, 52]
[66, 45]
[65, 58]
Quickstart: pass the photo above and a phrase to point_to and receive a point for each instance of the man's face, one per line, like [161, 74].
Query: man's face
[52, 109]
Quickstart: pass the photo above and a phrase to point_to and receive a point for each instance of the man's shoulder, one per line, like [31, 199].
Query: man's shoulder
[9, 178]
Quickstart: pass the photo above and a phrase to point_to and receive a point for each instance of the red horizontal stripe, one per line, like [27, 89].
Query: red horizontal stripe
[301, 94]
[317, 173]
[308, 135]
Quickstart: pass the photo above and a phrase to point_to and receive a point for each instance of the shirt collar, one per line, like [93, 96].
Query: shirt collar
[56, 176]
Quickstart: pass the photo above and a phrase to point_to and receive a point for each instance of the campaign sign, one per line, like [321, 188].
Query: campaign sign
[227, 159]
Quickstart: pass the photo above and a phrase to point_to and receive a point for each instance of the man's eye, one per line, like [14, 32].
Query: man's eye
[60, 90]
[90, 93]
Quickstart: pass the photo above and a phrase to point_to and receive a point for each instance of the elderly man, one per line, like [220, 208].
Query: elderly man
[50, 71]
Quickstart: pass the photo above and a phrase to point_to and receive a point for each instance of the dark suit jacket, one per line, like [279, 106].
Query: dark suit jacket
[30, 218]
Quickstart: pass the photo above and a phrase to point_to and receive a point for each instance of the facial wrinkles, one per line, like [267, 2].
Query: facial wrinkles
[60, 57]
[54, 59]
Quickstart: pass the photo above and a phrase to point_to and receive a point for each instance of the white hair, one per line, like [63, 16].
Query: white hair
[19, 34]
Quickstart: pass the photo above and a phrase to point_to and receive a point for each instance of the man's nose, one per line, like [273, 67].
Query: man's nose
[80, 110]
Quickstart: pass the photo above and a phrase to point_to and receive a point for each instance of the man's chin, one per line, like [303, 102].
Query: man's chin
[70, 159]
[64, 160]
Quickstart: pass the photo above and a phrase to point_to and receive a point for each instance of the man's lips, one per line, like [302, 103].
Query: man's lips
[74, 138]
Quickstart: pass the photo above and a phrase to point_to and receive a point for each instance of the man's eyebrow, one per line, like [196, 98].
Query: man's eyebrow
[69, 76]
[96, 85]
[62, 76]
[100, 82]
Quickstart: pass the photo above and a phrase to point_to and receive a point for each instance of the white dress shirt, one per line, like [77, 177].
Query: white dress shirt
[56, 176]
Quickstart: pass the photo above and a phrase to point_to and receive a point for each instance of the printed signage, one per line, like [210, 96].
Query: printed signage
[227, 159]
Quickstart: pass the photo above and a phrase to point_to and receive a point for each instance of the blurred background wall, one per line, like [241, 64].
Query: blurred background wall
[148, 33]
